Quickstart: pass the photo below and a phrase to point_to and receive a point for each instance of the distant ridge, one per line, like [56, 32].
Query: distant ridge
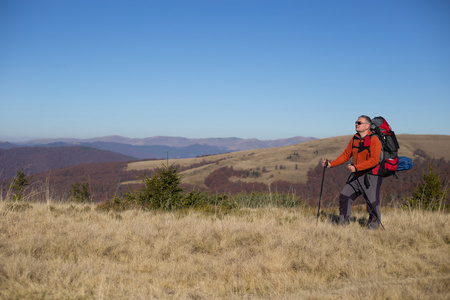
[158, 146]
[7, 145]
[229, 143]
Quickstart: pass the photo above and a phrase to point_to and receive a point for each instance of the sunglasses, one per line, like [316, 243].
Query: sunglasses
[359, 123]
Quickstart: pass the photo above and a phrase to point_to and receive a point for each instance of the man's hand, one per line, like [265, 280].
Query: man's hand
[351, 168]
[326, 163]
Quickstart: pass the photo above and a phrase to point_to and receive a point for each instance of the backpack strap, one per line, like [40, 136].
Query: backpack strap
[364, 143]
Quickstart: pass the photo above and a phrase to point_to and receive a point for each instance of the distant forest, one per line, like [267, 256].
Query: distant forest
[105, 181]
[35, 160]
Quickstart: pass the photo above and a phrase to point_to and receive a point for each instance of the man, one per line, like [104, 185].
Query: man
[365, 150]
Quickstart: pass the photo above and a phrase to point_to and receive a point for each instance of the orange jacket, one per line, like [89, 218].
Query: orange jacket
[365, 152]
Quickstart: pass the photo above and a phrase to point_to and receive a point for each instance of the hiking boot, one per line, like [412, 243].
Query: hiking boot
[373, 225]
[343, 221]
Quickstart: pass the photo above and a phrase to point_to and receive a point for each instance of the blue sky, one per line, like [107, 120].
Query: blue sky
[221, 68]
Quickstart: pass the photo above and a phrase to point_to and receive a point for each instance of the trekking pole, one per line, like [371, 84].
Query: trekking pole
[321, 188]
[370, 204]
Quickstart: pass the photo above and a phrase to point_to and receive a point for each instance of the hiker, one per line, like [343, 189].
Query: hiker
[365, 150]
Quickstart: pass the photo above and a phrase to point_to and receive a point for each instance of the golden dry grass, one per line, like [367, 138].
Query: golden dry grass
[296, 168]
[69, 251]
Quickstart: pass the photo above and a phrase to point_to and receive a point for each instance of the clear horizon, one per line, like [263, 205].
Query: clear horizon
[131, 138]
[199, 69]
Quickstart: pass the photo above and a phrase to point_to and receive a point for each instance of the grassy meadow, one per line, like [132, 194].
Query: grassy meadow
[73, 251]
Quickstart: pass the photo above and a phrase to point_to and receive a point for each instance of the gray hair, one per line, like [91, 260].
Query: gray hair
[368, 119]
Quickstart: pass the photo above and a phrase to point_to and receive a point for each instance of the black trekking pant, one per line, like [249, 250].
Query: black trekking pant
[367, 185]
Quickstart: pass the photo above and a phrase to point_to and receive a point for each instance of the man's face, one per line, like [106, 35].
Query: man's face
[361, 125]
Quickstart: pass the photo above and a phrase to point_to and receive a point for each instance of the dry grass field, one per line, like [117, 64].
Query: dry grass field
[295, 167]
[73, 251]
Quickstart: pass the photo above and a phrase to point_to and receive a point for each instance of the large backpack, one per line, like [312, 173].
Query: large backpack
[389, 159]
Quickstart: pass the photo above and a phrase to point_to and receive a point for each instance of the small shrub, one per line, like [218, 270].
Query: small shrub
[116, 204]
[420, 153]
[80, 192]
[429, 195]
[223, 201]
[161, 191]
[18, 184]
[194, 199]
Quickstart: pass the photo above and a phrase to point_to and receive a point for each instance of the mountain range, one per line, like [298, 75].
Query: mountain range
[287, 169]
[159, 146]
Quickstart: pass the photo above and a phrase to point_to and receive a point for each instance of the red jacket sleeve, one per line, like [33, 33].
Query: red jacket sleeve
[345, 156]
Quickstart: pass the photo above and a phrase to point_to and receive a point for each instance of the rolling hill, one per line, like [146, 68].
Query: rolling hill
[35, 160]
[291, 163]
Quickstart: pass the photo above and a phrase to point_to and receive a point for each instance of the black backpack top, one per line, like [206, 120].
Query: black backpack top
[389, 147]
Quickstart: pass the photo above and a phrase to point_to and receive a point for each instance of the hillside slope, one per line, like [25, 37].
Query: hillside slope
[291, 163]
[40, 159]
